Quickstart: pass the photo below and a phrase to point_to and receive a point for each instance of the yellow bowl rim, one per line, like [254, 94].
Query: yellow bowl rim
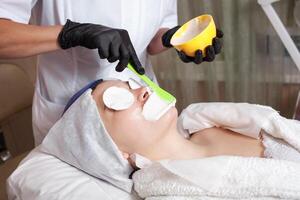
[208, 15]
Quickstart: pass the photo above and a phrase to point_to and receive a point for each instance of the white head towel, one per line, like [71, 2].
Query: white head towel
[80, 139]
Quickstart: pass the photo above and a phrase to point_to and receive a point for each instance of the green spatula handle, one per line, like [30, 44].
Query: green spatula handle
[164, 95]
[143, 77]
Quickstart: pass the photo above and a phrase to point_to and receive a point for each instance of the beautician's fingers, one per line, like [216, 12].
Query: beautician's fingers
[185, 58]
[217, 44]
[124, 58]
[210, 54]
[134, 60]
[167, 36]
[114, 53]
[198, 57]
[220, 33]
[103, 51]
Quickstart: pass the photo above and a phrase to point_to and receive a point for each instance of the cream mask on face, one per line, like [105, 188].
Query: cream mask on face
[154, 107]
[117, 98]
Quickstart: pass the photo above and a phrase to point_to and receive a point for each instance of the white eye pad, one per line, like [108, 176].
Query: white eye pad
[117, 98]
[133, 84]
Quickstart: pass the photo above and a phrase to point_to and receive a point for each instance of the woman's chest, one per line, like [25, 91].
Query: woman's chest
[218, 141]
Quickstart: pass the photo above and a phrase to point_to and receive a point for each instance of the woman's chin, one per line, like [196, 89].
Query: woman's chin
[170, 114]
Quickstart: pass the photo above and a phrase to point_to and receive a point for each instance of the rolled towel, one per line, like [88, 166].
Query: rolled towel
[279, 149]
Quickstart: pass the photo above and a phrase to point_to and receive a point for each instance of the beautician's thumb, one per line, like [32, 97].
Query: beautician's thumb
[167, 36]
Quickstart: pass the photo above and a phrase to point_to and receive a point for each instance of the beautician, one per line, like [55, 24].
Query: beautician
[106, 35]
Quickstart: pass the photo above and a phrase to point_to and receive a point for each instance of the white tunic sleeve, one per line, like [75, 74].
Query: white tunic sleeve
[169, 14]
[16, 10]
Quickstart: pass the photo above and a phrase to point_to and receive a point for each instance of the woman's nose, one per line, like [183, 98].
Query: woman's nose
[142, 94]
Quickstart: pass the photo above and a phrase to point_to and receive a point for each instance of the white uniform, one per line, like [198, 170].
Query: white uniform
[61, 73]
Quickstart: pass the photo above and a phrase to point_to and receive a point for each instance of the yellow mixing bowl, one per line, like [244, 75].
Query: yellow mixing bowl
[197, 33]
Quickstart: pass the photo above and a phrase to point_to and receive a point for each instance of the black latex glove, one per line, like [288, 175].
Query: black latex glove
[112, 44]
[211, 51]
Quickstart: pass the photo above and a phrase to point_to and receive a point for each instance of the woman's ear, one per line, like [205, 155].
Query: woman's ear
[125, 155]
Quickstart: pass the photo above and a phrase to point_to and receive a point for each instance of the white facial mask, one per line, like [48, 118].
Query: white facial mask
[120, 99]
[133, 84]
[154, 107]
[117, 98]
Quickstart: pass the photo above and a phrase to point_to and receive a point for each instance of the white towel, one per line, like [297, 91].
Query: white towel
[246, 119]
[229, 177]
[219, 177]
[279, 149]
[80, 139]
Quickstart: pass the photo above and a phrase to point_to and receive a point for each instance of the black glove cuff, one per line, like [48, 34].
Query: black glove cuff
[166, 38]
[64, 39]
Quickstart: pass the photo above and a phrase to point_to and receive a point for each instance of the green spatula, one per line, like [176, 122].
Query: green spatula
[162, 94]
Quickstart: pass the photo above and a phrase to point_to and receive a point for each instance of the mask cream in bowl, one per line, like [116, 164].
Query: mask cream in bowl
[194, 35]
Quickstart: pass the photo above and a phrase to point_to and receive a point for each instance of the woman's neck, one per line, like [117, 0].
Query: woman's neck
[175, 147]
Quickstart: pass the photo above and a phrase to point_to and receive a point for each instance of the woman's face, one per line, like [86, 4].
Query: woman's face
[128, 128]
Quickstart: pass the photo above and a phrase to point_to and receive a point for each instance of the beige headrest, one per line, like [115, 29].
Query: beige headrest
[16, 90]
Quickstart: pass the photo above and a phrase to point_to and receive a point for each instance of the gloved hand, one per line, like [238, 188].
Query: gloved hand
[112, 44]
[210, 51]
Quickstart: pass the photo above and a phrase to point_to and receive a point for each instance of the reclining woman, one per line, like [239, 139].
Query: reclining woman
[160, 139]
[100, 140]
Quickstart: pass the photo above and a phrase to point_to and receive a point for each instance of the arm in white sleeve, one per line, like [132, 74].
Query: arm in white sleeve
[16, 10]
[168, 20]
[18, 39]
[23, 40]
